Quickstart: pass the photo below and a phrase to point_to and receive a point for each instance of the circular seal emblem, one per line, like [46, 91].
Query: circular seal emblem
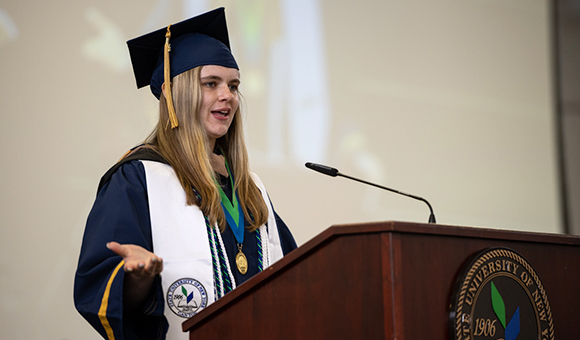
[500, 296]
[185, 297]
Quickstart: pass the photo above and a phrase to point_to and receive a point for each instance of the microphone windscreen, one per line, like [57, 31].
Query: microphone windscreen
[323, 169]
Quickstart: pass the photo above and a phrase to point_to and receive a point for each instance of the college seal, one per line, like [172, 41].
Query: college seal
[185, 297]
[499, 296]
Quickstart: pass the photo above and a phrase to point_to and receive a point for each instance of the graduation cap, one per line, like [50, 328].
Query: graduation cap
[161, 55]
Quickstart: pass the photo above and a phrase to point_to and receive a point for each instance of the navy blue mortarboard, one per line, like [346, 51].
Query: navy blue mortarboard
[201, 40]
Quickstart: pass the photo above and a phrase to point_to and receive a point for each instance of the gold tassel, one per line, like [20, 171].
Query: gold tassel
[167, 78]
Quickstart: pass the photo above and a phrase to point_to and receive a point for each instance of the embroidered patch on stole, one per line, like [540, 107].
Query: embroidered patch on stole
[186, 297]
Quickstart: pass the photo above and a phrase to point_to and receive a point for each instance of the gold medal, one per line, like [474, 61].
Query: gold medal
[241, 261]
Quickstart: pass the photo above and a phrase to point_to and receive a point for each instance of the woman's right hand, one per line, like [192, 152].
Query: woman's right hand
[139, 262]
[141, 267]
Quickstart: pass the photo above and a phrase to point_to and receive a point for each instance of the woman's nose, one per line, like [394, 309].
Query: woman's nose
[225, 93]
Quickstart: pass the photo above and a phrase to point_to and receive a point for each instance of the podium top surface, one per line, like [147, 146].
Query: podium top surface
[448, 230]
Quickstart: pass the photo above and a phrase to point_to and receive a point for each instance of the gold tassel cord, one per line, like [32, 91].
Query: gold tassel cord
[167, 79]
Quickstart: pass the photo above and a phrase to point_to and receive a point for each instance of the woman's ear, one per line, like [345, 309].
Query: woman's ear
[163, 90]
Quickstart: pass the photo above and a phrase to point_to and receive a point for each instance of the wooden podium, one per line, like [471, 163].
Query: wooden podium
[388, 280]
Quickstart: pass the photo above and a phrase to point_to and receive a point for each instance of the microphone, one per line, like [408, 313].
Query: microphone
[334, 172]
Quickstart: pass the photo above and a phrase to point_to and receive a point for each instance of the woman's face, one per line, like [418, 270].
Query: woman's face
[219, 99]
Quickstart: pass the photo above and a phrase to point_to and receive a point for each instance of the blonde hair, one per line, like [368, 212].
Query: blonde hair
[186, 149]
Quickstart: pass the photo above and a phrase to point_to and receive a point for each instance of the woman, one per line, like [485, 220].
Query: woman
[181, 220]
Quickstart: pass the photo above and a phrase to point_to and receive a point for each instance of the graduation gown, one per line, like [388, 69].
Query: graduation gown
[121, 213]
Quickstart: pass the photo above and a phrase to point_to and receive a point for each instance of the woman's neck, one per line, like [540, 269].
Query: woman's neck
[211, 142]
[218, 163]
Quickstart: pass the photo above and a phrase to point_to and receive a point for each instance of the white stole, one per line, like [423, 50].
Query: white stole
[180, 238]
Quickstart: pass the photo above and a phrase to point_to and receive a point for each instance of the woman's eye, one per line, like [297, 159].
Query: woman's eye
[234, 88]
[210, 84]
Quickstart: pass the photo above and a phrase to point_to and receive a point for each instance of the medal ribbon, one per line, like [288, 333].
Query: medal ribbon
[233, 210]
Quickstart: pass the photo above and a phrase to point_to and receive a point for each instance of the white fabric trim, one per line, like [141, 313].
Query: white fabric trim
[275, 248]
[180, 237]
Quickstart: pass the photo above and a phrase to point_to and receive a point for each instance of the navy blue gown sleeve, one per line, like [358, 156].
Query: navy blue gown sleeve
[120, 213]
[287, 240]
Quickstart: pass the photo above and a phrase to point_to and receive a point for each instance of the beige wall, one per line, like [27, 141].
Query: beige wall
[447, 99]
